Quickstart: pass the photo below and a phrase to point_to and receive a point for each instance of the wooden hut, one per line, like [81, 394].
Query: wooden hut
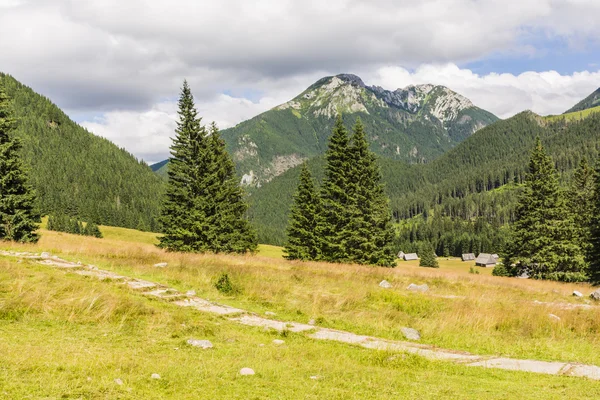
[485, 260]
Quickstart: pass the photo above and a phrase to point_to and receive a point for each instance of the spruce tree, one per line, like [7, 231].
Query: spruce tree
[543, 238]
[204, 208]
[18, 217]
[593, 249]
[370, 233]
[180, 216]
[303, 232]
[230, 230]
[336, 197]
[580, 202]
[427, 256]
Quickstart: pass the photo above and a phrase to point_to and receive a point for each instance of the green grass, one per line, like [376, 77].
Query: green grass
[573, 116]
[268, 250]
[104, 331]
[64, 336]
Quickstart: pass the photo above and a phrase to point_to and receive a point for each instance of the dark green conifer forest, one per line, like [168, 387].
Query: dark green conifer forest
[77, 173]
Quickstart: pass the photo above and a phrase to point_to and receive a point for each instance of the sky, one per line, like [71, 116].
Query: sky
[116, 66]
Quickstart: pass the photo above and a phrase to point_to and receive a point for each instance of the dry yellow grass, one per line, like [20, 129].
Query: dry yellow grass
[477, 313]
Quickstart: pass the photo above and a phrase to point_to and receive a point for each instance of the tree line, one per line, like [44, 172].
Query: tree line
[64, 223]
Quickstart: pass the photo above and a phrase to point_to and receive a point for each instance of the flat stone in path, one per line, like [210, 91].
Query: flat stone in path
[595, 295]
[206, 306]
[253, 320]
[540, 367]
[278, 342]
[139, 284]
[246, 371]
[161, 265]
[155, 376]
[203, 344]
[577, 293]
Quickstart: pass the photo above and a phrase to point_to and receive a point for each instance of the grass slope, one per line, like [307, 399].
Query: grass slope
[103, 331]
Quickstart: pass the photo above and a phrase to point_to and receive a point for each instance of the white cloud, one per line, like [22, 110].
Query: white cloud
[147, 133]
[99, 55]
[503, 94]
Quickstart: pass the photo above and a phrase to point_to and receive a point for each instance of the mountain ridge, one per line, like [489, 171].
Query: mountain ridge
[415, 124]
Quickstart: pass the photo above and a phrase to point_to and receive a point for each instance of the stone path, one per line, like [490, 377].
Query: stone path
[243, 317]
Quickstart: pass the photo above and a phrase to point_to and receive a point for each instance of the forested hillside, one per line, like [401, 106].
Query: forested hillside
[415, 124]
[469, 190]
[593, 100]
[77, 173]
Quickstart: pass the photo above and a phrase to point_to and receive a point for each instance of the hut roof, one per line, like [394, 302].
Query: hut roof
[485, 259]
[468, 257]
[411, 256]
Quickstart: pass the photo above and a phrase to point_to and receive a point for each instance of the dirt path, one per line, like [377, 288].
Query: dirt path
[243, 317]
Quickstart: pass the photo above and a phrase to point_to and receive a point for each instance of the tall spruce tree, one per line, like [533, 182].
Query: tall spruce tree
[303, 232]
[182, 223]
[204, 208]
[18, 216]
[580, 202]
[227, 208]
[543, 239]
[593, 249]
[336, 196]
[370, 233]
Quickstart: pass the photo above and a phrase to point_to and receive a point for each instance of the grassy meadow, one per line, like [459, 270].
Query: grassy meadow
[66, 336]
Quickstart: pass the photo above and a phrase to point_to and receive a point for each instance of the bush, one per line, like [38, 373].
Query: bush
[224, 284]
[500, 270]
[473, 271]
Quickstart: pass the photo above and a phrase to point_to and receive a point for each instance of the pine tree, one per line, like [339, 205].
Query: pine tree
[182, 220]
[204, 208]
[580, 202]
[427, 256]
[18, 217]
[543, 238]
[231, 231]
[336, 196]
[370, 233]
[303, 232]
[593, 249]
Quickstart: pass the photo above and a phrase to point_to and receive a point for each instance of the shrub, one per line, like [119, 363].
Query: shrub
[224, 284]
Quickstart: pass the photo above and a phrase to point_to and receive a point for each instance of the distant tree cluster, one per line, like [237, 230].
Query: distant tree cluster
[64, 223]
[18, 215]
[203, 209]
[349, 220]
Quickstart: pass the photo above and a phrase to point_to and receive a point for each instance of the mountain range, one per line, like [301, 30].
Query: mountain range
[467, 163]
[415, 124]
[476, 179]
